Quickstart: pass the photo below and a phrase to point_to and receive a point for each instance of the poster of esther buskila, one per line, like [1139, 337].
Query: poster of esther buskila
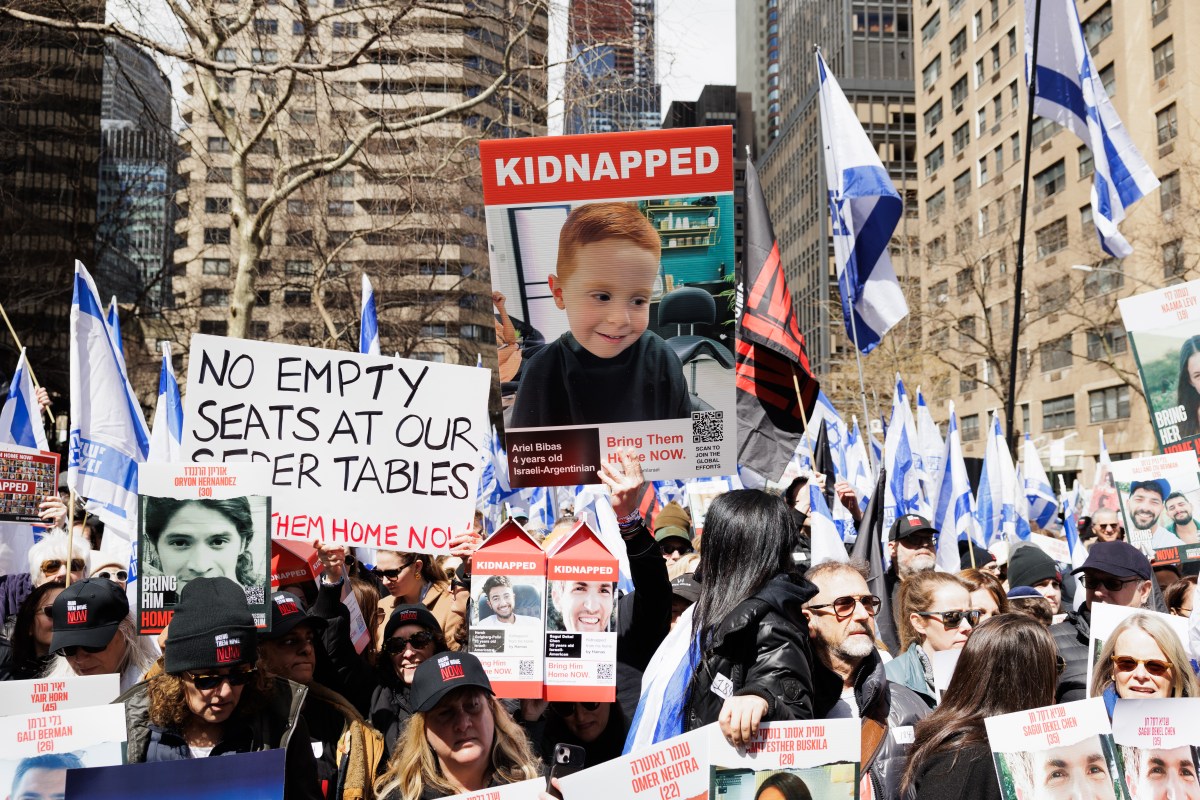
[610, 255]
[202, 521]
[785, 760]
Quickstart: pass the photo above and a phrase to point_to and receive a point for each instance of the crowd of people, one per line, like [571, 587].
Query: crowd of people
[413, 714]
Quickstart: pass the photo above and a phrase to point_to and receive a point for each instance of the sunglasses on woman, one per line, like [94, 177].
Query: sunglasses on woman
[1153, 665]
[390, 574]
[844, 606]
[119, 575]
[73, 650]
[51, 565]
[952, 619]
[566, 710]
[211, 680]
[419, 640]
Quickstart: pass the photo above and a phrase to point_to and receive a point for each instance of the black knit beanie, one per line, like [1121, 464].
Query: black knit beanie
[1029, 566]
[211, 628]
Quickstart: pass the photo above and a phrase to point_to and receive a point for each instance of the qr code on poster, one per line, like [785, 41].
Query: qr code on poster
[254, 595]
[604, 671]
[525, 668]
[707, 426]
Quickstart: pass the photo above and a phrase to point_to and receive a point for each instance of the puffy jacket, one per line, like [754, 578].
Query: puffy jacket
[761, 648]
[880, 699]
[278, 725]
[908, 670]
[1071, 638]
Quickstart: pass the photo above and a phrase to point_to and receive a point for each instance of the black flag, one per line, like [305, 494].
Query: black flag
[868, 547]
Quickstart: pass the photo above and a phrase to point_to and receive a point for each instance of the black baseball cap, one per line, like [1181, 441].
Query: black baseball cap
[1119, 559]
[286, 614]
[908, 524]
[441, 674]
[685, 586]
[87, 614]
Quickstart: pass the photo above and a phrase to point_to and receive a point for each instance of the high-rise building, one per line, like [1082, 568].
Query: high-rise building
[611, 78]
[1075, 373]
[869, 51]
[407, 209]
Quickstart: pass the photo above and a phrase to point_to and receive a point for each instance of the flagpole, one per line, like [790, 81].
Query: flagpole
[1010, 401]
[799, 399]
[28, 366]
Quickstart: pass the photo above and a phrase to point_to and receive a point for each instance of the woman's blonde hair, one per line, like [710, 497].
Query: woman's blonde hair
[683, 566]
[916, 595]
[1183, 681]
[140, 655]
[414, 767]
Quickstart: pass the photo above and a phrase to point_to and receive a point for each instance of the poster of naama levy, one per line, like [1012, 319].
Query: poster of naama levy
[611, 256]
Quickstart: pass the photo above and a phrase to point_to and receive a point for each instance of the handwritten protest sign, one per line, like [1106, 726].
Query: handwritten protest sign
[40, 695]
[822, 756]
[201, 521]
[245, 776]
[607, 255]
[1145, 486]
[1164, 331]
[363, 450]
[1106, 618]
[1158, 740]
[674, 768]
[26, 476]
[1072, 741]
[59, 741]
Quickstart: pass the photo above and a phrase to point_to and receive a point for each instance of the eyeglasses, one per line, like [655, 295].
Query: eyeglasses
[211, 680]
[844, 606]
[1110, 584]
[51, 565]
[390, 574]
[73, 650]
[680, 549]
[919, 542]
[119, 575]
[1106, 526]
[47, 611]
[1153, 665]
[418, 641]
[952, 619]
[566, 710]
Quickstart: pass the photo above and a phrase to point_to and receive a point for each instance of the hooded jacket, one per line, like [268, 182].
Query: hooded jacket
[1071, 638]
[278, 725]
[908, 670]
[897, 706]
[761, 648]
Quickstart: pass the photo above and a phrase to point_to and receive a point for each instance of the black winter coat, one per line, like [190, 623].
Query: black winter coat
[1071, 638]
[761, 648]
[643, 617]
[966, 773]
[878, 698]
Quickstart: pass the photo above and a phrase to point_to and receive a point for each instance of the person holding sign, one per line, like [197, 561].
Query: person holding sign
[460, 739]
[94, 634]
[1143, 658]
[412, 579]
[608, 260]
[206, 697]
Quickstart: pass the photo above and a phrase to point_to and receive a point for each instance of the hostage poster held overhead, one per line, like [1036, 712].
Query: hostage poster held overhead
[1158, 496]
[26, 477]
[363, 450]
[1164, 331]
[609, 259]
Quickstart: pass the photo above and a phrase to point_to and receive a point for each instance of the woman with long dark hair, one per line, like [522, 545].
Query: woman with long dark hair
[747, 622]
[951, 759]
[1187, 392]
[28, 654]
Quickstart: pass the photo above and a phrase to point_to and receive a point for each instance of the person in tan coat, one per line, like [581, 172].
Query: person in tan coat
[416, 578]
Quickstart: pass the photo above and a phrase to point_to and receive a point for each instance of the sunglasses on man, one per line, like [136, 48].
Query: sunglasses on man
[843, 607]
[1110, 584]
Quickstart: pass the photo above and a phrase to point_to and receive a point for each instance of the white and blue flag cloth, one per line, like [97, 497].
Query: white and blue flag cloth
[1039, 494]
[114, 322]
[905, 493]
[368, 331]
[20, 419]
[1069, 91]
[858, 468]
[955, 514]
[659, 712]
[864, 207]
[931, 448]
[166, 435]
[996, 503]
[108, 433]
[826, 539]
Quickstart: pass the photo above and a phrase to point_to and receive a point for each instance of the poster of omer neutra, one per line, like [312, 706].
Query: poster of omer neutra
[611, 260]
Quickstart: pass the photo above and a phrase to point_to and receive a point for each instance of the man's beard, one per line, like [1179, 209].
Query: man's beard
[1137, 522]
[855, 648]
[1185, 520]
[915, 565]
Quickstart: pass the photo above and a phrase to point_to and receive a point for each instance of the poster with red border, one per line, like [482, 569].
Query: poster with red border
[26, 476]
[508, 593]
[581, 619]
[611, 256]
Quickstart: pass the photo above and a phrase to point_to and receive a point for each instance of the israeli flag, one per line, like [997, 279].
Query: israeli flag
[996, 504]
[1043, 504]
[826, 541]
[1069, 91]
[864, 207]
[955, 514]
[166, 437]
[931, 447]
[114, 322]
[904, 477]
[1078, 551]
[109, 437]
[659, 714]
[368, 331]
[20, 419]
[857, 467]
[835, 432]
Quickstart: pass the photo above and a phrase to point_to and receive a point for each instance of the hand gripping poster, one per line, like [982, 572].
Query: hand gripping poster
[1164, 331]
[1159, 741]
[1159, 495]
[611, 259]
[202, 521]
[1063, 752]
[817, 759]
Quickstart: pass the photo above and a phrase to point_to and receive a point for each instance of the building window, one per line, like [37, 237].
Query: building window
[1043, 130]
[1055, 354]
[1164, 58]
[260, 329]
[931, 28]
[1087, 164]
[932, 71]
[298, 268]
[263, 56]
[1058, 413]
[1108, 77]
[1172, 259]
[433, 330]
[934, 160]
[300, 207]
[295, 297]
[958, 93]
[1050, 181]
[966, 332]
[963, 281]
[1170, 192]
[345, 30]
[969, 428]
[981, 122]
[1052, 296]
[216, 235]
[432, 357]
[1015, 142]
[296, 330]
[214, 327]
[958, 45]
[1085, 219]
[961, 138]
[1109, 342]
[1104, 278]
[341, 180]
[1052, 237]
[983, 171]
[1168, 124]
[1098, 27]
[214, 298]
[937, 245]
[962, 186]
[218, 144]
[933, 116]
[227, 55]
[215, 266]
[1105, 405]
[266, 27]
[340, 208]
[1012, 42]
[967, 379]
